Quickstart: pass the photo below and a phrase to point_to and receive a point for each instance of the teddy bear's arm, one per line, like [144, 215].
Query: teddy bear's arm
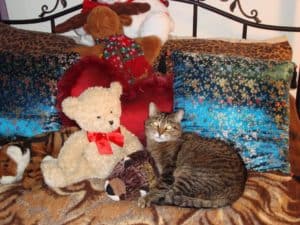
[132, 143]
[72, 151]
[151, 46]
[101, 165]
[96, 50]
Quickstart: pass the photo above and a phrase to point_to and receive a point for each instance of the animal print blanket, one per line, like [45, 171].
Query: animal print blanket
[269, 198]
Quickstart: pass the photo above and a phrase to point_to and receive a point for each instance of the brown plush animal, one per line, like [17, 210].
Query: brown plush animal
[132, 177]
[103, 22]
[78, 20]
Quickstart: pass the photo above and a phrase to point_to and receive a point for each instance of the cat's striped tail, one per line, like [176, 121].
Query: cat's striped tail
[191, 202]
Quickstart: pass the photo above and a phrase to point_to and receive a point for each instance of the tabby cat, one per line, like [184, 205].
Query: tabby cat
[193, 171]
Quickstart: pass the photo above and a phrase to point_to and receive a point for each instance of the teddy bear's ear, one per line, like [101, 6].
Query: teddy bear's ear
[125, 20]
[116, 88]
[70, 107]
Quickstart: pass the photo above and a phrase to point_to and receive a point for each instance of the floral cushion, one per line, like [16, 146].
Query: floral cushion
[28, 92]
[271, 49]
[238, 99]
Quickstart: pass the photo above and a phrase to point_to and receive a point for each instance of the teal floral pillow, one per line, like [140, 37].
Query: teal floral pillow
[28, 86]
[241, 100]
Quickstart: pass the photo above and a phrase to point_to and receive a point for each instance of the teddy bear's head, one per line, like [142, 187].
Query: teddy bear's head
[103, 22]
[97, 109]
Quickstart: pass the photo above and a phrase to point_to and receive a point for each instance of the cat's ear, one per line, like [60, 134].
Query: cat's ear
[179, 115]
[153, 109]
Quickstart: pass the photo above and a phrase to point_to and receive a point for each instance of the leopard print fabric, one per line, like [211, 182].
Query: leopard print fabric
[32, 42]
[280, 51]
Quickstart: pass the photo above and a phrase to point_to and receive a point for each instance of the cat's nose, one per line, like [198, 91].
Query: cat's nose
[160, 132]
[111, 122]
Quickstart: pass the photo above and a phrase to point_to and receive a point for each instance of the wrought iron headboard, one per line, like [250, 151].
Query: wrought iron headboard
[42, 18]
[252, 20]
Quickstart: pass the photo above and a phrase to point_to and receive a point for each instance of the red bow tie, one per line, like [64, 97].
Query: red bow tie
[102, 140]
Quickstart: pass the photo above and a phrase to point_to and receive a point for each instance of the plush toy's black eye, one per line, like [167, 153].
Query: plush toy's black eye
[128, 163]
[98, 117]
[111, 111]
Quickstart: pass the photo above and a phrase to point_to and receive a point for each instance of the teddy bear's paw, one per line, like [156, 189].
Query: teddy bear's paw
[47, 158]
[52, 179]
[53, 175]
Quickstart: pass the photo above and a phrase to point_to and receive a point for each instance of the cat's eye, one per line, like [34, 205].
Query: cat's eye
[169, 127]
[155, 123]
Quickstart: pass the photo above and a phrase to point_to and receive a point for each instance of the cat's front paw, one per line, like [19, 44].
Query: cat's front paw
[144, 202]
[152, 197]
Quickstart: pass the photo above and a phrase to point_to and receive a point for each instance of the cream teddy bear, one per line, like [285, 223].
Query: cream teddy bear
[102, 142]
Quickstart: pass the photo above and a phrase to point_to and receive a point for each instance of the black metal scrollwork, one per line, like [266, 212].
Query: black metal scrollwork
[45, 7]
[236, 3]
